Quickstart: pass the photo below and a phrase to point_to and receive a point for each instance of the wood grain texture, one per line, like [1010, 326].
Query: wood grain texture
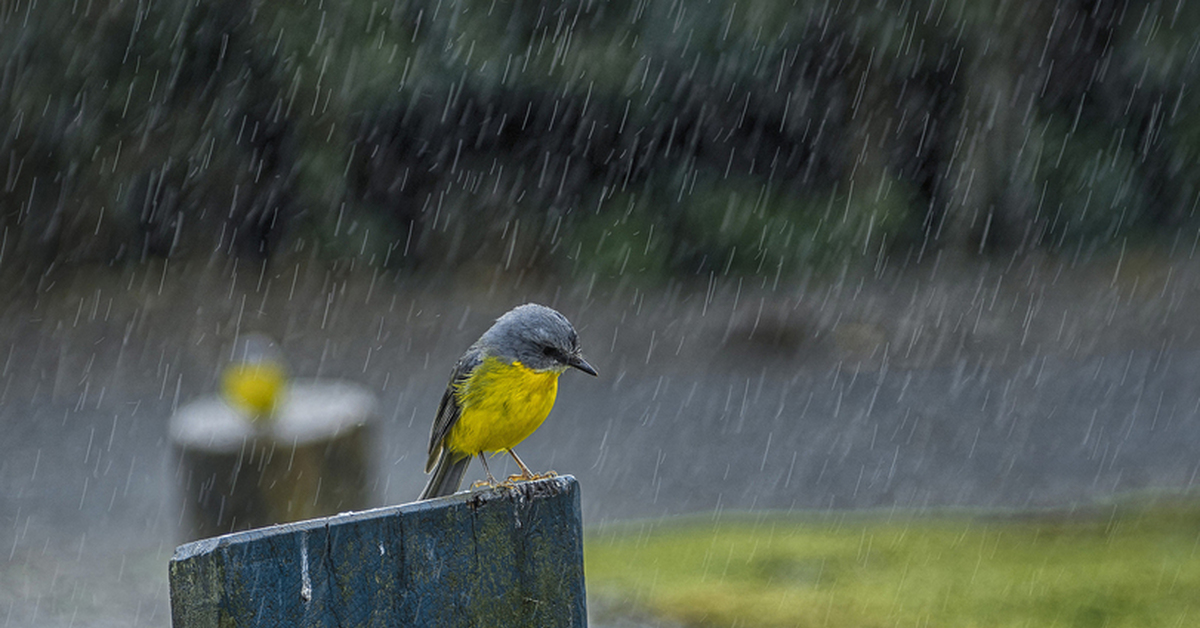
[497, 557]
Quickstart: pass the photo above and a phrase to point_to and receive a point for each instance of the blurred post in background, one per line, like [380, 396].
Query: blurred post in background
[269, 450]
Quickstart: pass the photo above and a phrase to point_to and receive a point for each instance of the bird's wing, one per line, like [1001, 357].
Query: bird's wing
[448, 410]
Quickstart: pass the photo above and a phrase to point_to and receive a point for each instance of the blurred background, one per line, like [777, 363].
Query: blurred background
[829, 257]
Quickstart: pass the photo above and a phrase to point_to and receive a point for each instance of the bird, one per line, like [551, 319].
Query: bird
[253, 383]
[500, 392]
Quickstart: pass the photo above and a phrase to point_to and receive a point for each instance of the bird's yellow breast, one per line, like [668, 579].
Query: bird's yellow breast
[502, 404]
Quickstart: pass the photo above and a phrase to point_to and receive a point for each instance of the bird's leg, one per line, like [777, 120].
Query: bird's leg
[526, 474]
[490, 482]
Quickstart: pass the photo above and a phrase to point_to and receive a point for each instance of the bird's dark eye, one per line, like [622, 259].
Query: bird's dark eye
[551, 352]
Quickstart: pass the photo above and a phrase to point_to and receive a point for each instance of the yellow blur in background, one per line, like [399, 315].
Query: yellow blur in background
[255, 381]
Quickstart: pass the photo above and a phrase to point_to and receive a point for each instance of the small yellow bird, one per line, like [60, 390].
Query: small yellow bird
[254, 383]
[500, 391]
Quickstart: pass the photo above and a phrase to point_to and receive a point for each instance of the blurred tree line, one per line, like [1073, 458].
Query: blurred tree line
[623, 137]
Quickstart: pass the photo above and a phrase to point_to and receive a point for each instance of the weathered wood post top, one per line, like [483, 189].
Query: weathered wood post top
[496, 557]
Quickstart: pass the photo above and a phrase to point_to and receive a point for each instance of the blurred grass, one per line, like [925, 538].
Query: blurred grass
[1113, 566]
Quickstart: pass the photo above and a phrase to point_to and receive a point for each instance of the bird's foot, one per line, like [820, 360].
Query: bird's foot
[529, 477]
[494, 485]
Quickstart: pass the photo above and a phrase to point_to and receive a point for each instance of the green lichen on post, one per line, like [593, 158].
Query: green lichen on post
[197, 580]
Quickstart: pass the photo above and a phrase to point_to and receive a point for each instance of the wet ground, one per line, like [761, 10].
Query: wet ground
[1015, 384]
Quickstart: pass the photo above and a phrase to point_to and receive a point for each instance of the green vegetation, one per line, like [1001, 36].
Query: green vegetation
[1120, 566]
[754, 138]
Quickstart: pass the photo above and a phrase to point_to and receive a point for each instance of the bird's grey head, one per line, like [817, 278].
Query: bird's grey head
[536, 336]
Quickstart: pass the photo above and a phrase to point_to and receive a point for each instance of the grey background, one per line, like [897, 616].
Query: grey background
[1033, 383]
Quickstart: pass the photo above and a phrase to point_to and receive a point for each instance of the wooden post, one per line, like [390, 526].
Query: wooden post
[497, 557]
[312, 459]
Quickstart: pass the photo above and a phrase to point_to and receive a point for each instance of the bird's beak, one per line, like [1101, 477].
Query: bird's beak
[578, 362]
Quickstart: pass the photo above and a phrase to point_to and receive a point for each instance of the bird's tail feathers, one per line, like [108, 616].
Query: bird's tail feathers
[447, 475]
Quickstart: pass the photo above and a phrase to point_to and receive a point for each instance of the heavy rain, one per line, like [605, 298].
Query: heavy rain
[894, 304]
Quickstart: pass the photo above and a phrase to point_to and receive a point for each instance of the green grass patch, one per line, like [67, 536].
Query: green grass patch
[1127, 565]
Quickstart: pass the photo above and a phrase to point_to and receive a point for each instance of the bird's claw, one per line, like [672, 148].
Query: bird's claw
[509, 483]
[529, 477]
